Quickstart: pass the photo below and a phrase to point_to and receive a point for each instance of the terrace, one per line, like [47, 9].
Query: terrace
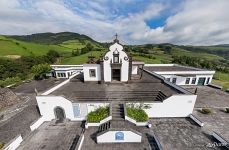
[148, 88]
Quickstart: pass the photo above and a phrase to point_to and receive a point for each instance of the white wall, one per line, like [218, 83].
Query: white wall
[109, 137]
[181, 80]
[87, 77]
[47, 104]
[107, 65]
[134, 69]
[174, 106]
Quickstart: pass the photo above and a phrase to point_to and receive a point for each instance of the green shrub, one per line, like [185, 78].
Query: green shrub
[227, 110]
[40, 70]
[98, 115]
[137, 114]
[9, 81]
[205, 111]
[1, 145]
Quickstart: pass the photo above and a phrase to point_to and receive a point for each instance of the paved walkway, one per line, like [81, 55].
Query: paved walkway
[209, 97]
[53, 137]
[182, 134]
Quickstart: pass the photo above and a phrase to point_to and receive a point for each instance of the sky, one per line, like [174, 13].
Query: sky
[183, 22]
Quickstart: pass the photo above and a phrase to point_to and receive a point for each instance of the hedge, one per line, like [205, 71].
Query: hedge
[98, 114]
[137, 114]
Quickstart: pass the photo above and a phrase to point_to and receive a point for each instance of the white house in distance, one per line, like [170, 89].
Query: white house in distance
[114, 81]
[182, 75]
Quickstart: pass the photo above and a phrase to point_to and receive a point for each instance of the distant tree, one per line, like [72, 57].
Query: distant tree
[89, 47]
[75, 52]
[52, 55]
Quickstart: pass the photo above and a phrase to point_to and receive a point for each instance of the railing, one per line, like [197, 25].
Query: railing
[80, 141]
[194, 118]
[157, 141]
[223, 141]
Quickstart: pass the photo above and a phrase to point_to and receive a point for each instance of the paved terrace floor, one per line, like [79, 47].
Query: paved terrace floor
[53, 137]
[216, 100]
[17, 118]
[75, 91]
[40, 85]
[217, 121]
[182, 134]
[209, 97]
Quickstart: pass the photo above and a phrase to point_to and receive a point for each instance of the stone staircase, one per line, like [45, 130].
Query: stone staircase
[104, 127]
[117, 115]
[124, 95]
[117, 111]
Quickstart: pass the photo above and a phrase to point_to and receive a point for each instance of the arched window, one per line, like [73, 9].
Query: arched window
[119, 136]
[116, 56]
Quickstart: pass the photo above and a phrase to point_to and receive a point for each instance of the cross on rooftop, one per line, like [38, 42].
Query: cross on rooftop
[116, 36]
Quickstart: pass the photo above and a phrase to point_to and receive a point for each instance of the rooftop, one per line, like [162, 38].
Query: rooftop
[182, 133]
[50, 136]
[171, 67]
[146, 89]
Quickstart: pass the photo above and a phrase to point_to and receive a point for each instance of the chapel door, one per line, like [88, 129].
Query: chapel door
[116, 74]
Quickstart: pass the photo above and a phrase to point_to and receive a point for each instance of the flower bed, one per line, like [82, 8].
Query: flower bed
[137, 114]
[98, 115]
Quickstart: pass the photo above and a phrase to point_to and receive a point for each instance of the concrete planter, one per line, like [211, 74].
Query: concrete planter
[96, 124]
[135, 122]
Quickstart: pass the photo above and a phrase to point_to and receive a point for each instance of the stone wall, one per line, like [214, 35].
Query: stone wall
[7, 98]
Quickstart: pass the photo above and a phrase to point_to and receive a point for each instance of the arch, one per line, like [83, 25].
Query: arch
[59, 114]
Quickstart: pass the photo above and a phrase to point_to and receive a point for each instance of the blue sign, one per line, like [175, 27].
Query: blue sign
[119, 136]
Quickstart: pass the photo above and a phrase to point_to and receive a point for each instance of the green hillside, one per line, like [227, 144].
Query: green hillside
[53, 38]
[72, 48]
[9, 46]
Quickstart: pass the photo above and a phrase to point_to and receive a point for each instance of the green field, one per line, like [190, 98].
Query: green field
[80, 59]
[13, 47]
[181, 52]
[221, 79]
[64, 43]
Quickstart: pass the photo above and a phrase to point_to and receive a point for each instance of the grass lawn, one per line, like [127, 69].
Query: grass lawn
[14, 47]
[181, 52]
[73, 44]
[77, 60]
[221, 79]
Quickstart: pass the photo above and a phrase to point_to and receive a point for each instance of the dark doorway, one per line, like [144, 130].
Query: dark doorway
[201, 81]
[116, 74]
[60, 114]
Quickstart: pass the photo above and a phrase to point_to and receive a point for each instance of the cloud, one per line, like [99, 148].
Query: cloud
[197, 23]
[189, 22]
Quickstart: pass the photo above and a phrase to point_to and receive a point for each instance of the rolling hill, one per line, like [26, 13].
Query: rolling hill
[65, 42]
